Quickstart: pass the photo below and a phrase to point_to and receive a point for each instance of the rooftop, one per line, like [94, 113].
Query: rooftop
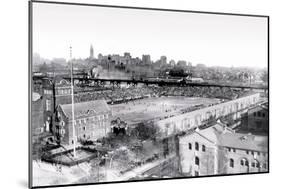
[244, 141]
[85, 109]
[223, 136]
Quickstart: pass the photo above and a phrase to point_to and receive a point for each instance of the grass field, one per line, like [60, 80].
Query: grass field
[152, 108]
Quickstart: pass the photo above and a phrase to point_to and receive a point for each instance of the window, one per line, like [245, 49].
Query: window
[234, 150]
[264, 166]
[247, 163]
[84, 136]
[196, 173]
[190, 146]
[203, 148]
[231, 162]
[252, 152]
[48, 105]
[263, 114]
[247, 152]
[259, 114]
[196, 146]
[255, 114]
[229, 149]
[84, 128]
[258, 153]
[256, 164]
[242, 162]
[49, 92]
[253, 164]
[197, 161]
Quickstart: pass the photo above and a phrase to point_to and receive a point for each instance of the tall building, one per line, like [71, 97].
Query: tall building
[172, 62]
[163, 60]
[91, 52]
[181, 63]
[146, 59]
[127, 58]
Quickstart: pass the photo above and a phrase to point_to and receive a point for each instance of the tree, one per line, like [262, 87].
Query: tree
[146, 131]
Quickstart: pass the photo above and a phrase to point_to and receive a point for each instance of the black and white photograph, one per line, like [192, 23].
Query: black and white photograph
[125, 94]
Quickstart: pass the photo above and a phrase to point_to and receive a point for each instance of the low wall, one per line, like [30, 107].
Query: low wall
[51, 158]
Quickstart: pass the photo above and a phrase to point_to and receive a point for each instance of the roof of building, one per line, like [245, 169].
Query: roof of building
[212, 133]
[223, 136]
[244, 141]
[209, 133]
[85, 109]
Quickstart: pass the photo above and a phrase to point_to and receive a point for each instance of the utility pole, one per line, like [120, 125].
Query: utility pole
[72, 103]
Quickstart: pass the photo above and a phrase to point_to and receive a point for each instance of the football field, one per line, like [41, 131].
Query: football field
[157, 107]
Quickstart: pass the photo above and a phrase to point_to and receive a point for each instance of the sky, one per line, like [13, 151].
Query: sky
[213, 40]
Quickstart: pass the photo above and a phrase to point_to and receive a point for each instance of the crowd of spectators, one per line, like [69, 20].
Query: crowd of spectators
[207, 92]
[117, 95]
[114, 95]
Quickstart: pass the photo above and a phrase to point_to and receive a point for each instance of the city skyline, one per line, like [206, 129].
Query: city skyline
[207, 39]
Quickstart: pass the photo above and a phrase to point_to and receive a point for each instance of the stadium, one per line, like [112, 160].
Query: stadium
[153, 116]
[135, 104]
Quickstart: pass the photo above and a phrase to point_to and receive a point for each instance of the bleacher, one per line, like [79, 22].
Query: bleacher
[115, 95]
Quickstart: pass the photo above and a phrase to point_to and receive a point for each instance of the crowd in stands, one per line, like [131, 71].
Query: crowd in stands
[207, 92]
[130, 93]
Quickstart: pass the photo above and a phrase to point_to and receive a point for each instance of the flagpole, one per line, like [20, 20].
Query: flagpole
[72, 104]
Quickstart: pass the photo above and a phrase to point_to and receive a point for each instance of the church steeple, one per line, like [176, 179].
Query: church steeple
[91, 52]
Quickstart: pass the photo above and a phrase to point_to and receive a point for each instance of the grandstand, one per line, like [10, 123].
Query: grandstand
[121, 95]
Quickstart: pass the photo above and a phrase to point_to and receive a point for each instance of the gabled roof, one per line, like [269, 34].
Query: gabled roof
[223, 136]
[244, 141]
[85, 109]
